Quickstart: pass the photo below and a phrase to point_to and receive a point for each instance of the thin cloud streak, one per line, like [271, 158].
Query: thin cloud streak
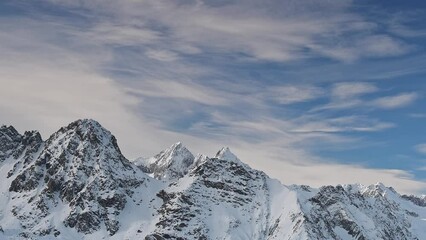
[348, 95]
[421, 148]
[290, 94]
[347, 90]
[396, 101]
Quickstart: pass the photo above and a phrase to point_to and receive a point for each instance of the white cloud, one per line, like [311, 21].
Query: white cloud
[121, 34]
[417, 115]
[180, 90]
[162, 55]
[47, 97]
[396, 101]
[348, 95]
[294, 93]
[364, 46]
[382, 46]
[343, 124]
[346, 90]
[421, 148]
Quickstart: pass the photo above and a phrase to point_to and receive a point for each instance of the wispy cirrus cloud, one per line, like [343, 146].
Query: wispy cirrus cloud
[421, 148]
[367, 46]
[345, 95]
[172, 71]
[162, 55]
[344, 124]
[417, 115]
[347, 90]
[396, 101]
[185, 90]
[289, 94]
[120, 34]
[353, 95]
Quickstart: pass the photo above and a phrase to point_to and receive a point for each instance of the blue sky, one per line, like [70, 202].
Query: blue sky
[312, 92]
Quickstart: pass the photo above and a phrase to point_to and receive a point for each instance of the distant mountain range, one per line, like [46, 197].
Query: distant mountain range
[78, 185]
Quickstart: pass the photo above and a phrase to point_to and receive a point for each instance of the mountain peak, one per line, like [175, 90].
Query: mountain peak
[86, 125]
[82, 167]
[379, 186]
[9, 141]
[171, 163]
[177, 147]
[87, 122]
[378, 190]
[226, 154]
[8, 131]
[88, 131]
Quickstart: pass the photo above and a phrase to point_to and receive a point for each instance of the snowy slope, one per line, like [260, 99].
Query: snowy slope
[78, 185]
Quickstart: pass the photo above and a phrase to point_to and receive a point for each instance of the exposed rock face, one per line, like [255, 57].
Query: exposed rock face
[78, 185]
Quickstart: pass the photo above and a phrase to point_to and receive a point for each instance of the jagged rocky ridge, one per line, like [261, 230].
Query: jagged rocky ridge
[78, 185]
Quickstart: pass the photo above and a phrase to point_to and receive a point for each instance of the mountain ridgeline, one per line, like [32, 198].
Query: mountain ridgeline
[78, 185]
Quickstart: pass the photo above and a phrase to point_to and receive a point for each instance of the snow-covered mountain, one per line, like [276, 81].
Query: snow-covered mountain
[78, 185]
